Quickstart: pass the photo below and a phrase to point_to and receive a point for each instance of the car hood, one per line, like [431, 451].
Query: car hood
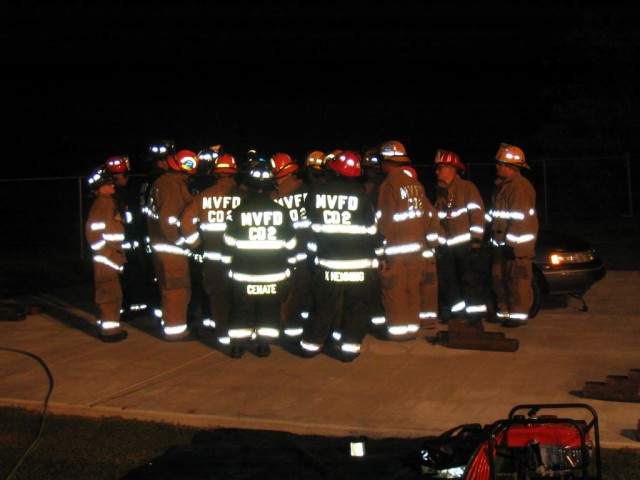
[549, 240]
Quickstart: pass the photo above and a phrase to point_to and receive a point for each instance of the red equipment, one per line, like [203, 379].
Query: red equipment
[536, 446]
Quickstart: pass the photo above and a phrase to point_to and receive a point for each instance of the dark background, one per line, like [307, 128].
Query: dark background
[84, 82]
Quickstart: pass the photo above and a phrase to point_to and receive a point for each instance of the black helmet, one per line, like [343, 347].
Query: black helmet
[260, 178]
[161, 150]
[100, 176]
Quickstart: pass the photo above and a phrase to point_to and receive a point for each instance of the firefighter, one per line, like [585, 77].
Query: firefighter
[157, 165]
[203, 224]
[410, 227]
[169, 195]
[259, 247]
[104, 230]
[199, 310]
[514, 231]
[134, 292]
[372, 178]
[204, 178]
[344, 242]
[314, 171]
[291, 192]
[373, 174]
[461, 279]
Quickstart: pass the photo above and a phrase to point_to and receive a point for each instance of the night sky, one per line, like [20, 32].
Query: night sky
[86, 82]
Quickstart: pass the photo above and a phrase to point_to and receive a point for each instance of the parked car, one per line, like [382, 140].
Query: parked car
[563, 265]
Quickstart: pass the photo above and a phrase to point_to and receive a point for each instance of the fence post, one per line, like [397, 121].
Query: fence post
[544, 189]
[629, 190]
[81, 215]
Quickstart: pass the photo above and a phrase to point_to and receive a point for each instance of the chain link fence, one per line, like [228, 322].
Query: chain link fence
[43, 218]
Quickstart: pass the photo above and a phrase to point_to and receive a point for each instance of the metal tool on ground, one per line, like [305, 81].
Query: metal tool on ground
[620, 388]
[461, 334]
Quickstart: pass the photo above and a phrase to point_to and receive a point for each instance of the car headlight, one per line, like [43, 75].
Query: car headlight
[564, 258]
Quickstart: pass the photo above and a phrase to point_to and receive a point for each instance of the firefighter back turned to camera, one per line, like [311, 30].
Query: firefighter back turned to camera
[259, 246]
[291, 192]
[343, 248]
[514, 231]
[104, 230]
[410, 227]
[462, 277]
[169, 195]
[203, 224]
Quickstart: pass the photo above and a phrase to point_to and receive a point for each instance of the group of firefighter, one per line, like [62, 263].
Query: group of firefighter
[316, 253]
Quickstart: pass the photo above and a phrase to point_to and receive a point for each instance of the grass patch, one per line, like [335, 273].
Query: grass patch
[109, 448]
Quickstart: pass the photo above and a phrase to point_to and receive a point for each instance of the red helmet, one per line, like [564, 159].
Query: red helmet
[118, 164]
[184, 161]
[410, 171]
[394, 151]
[346, 163]
[283, 165]
[445, 157]
[225, 163]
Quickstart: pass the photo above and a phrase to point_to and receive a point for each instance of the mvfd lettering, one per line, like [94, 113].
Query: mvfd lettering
[225, 203]
[295, 205]
[261, 289]
[292, 201]
[262, 224]
[337, 202]
[336, 209]
[344, 276]
[411, 191]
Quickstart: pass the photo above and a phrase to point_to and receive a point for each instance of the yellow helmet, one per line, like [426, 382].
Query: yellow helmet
[394, 151]
[315, 160]
[331, 155]
[511, 155]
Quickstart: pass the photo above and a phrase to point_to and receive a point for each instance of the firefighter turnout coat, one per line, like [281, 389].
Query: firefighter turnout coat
[259, 247]
[409, 224]
[292, 193]
[104, 230]
[462, 275]
[168, 197]
[514, 231]
[343, 258]
[203, 224]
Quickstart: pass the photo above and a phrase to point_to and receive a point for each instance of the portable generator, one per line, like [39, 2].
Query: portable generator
[538, 445]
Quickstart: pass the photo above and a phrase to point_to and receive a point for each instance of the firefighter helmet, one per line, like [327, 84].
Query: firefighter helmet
[346, 163]
[511, 155]
[315, 160]
[161, 150]
[210, 154]
[225, 163]
[446, 157]
[255, 158]
[99, 177]
[261, 178]
[118, 164]
[330, 156]
[409, 171]
[394, 151]
[371, 158]
[184, 161]
[283, 165]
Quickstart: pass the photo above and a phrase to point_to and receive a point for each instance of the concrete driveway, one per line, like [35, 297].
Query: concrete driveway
[403, 390]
